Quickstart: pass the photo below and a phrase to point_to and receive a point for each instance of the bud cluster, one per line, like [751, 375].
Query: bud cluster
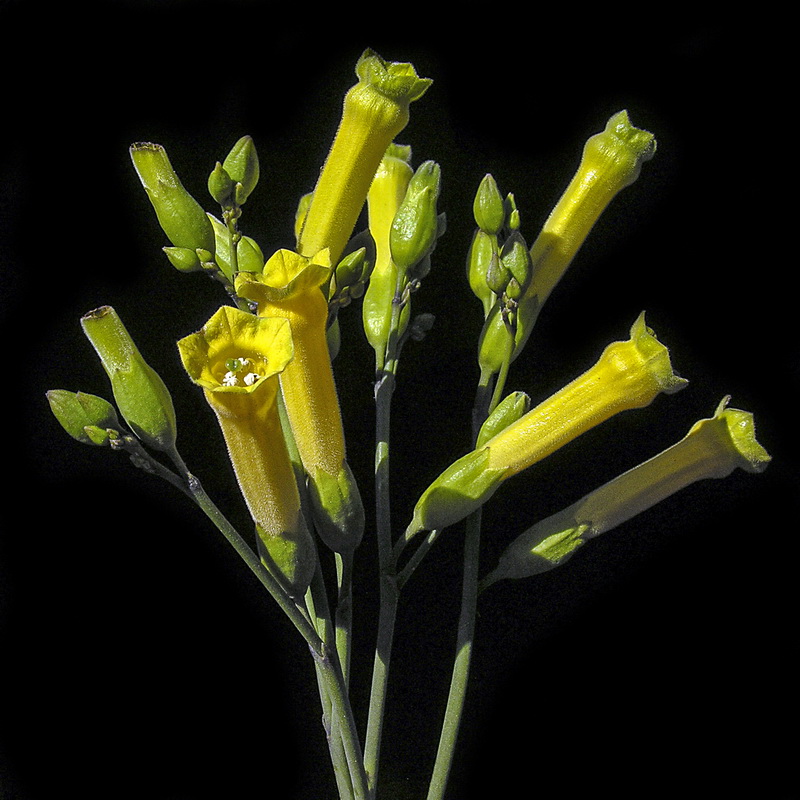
[499, 271]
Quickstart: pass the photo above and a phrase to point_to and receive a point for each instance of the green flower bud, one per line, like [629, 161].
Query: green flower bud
[220, 185]
[497, 275]
[479, 260]
[496, 343]
[353, 269]
[512, 213]
[183, 259]
[488, 207]
[386, 193]
[517, 260]
[241, 164]
[179, 214]
[79, 411]
[142, 398]
[415, 227]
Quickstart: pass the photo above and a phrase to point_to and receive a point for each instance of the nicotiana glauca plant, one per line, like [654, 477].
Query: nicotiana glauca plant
[264, 362]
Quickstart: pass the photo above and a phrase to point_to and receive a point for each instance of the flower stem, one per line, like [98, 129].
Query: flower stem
[482, 407]
[386, 369]
[344, 611]
[287, 605]
[463, 659]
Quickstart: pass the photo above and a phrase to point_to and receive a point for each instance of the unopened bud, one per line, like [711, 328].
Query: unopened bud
[488, 208]
[142, 397]
[78, 411]
[416, 225]
[179, 214]
[241, 164]
[183, 259]
[220, 185]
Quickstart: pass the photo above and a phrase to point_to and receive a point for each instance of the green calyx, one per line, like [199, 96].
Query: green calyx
[337, 509]
[290, 557]
[461, 489]
[180, 216]
[141, 396]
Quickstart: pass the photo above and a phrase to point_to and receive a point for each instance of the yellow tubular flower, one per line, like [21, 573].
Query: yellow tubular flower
[236, 358]
[627, 375]
[713, 448]
[375, 110]
[289, 287]
[612, 160]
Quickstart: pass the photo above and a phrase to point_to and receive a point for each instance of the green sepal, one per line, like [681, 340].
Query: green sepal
[101, 436]
[77, 411]
[337, 509]
[461, 489]
[512, 408]
[141, 396]
[180, 216]
[540, 548]
[291, 558]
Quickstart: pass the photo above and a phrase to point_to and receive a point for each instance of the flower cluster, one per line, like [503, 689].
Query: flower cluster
[264, 363]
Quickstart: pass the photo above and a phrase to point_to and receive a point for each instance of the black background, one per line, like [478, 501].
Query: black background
[141, 659]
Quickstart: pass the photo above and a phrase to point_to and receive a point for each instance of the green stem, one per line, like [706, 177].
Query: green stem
[287, 605]
[461, 667]
[499, 386]
[344, 611]
[342, 724]
[317, 602]
[483, 406]
[386, 368]
[413, 562]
